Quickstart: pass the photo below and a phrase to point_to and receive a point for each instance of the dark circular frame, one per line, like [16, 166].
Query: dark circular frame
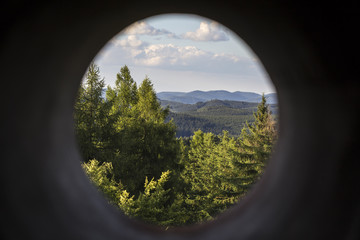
[310, 189]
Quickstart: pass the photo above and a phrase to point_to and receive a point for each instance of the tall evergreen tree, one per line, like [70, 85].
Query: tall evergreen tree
[148, 105]
[257, 139]
[126, 89]
[89, 114]
[212, 182]
[142, 141]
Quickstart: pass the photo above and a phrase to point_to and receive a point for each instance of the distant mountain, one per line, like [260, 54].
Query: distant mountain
[204, 96]
[210, 106]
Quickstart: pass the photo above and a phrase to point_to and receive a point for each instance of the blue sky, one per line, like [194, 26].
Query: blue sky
[184, 53]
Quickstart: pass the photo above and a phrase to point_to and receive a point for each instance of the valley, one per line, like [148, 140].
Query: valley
[213, 115]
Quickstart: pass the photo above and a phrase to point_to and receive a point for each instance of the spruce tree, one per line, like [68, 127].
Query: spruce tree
[148, 105]
[142, 141]
[126, 89]
[213, 177]
[257, 139]
[89, 114]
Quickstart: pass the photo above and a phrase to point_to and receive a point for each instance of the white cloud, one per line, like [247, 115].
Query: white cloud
[131, 50]
[130, 41]
[143, 28]
[190, 62]
[170, 56]
[207, 32]
[132, 45]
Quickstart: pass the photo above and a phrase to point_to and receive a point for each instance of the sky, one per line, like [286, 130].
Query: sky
[183, 53]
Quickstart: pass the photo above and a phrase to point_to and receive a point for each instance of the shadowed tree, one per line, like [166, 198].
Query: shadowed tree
[257, 139]
[89, 114]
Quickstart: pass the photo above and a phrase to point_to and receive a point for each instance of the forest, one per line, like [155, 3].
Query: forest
[214, 116]
[132, 155]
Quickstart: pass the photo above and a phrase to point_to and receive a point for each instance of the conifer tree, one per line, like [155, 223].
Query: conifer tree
[212, 176]
[89, 114]
[142, 141]
[126, 89]
[258, 138]
[151, 206]
[101, 175]
[148, 105]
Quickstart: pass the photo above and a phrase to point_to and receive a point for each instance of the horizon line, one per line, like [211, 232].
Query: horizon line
[214, 91]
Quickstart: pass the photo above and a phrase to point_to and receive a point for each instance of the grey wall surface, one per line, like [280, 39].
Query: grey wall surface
[311, 187]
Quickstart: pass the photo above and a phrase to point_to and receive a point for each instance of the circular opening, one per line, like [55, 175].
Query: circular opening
[183, 130]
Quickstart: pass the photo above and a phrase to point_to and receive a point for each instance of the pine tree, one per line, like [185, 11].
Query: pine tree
[89, 114]
[101, 175]
[212, 175]
[258, 138]
[152, 205]
[126, 89]
[148, 105]
[142, 141]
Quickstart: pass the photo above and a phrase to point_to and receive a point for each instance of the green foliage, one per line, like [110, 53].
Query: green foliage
[144, 170]
[126, 128]
[151, 204]
[126, 90]
[213, 116]
[101, 176]
[90, 115]
[215, 175]
[148, 105]
[258, 138]
[143, 142]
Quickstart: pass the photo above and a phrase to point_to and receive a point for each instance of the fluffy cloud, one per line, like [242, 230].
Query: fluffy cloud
[150, 50]
[130, 41]
[207, 32]
[170, 56]
[131, 45]
[143, 28]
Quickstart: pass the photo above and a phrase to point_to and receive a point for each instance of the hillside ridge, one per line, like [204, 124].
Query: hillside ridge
[212, 116]
[204, 96]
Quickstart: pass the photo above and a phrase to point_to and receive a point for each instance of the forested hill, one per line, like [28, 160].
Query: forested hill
[202, 106]
[204, 96]
[212, 116]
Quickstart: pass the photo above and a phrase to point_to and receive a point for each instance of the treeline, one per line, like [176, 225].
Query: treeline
[212, 116]
[133, 156]
[188, 123]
